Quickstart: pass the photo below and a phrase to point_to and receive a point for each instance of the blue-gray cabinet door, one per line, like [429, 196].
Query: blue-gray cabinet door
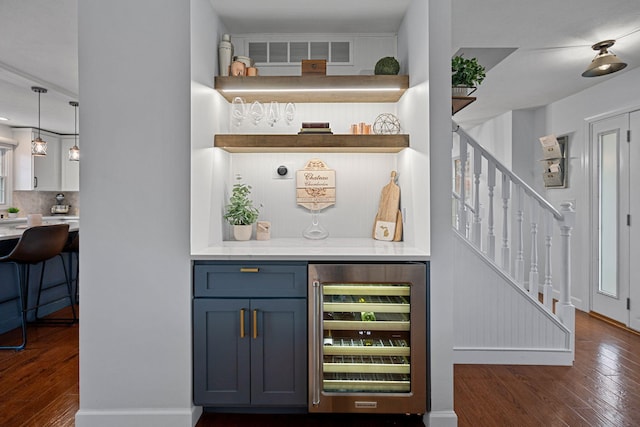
[221, 352]
[279, 352]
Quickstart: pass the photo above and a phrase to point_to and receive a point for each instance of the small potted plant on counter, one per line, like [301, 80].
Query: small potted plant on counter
[13, 212]
[466, 74]
[240, 212]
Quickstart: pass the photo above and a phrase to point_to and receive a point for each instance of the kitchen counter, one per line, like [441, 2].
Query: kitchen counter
[13, 228]
[331, 249]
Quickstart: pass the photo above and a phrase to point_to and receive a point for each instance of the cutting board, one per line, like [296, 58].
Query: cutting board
[388, 223]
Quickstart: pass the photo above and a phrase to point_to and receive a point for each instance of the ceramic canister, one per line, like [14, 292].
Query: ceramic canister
[238, 68]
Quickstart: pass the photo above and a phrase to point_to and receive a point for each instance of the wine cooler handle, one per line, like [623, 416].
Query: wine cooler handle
[317, 336]
[242, 323]
[255, 324]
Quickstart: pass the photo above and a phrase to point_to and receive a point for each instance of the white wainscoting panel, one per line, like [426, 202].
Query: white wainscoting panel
[497, 322]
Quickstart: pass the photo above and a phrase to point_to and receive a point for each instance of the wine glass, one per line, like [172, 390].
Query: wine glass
[273, 114]
[238, 111]
[289, 112]
[257, 112]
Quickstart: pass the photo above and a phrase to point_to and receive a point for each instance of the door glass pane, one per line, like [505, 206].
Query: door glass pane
[366, 337]
[608, 182]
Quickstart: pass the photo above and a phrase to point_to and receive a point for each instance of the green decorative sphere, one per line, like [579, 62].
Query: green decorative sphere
[387, 66]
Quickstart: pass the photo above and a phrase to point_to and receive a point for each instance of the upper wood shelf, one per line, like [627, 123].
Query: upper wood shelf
[459, 102]
[313, 88]
[260, 143]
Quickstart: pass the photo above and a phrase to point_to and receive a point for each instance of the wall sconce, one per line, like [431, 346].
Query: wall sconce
[74, 152]
[38, 146]
[605, 62]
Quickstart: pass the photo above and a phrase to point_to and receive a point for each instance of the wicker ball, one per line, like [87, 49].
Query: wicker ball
[386, 124]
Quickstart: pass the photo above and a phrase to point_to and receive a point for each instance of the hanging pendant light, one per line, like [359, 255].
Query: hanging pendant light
[38, 146]
[605, 62]
[74, 152]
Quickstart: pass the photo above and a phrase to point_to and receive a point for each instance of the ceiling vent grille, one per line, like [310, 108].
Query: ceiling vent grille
[292, 52]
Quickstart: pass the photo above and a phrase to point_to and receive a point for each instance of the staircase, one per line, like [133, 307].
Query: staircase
[510, 308]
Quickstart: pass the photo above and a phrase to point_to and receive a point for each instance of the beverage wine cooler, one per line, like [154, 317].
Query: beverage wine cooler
[368, 338]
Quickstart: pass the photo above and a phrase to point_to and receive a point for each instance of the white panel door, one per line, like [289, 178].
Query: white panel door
[634, 228]
[610, 287]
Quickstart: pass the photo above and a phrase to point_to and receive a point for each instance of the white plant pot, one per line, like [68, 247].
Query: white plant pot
[13, 215]
[242, 232]
[462, 90]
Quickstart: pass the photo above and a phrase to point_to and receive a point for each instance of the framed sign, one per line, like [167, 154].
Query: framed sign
[316, 186]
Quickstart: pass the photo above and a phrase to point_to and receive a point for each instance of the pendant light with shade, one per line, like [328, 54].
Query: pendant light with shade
[38, 146]
[605, 62]
[74, 152]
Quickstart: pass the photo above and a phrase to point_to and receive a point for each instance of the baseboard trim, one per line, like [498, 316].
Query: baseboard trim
[613, 322]
[169, 417]
[440, 419]
[501, 356]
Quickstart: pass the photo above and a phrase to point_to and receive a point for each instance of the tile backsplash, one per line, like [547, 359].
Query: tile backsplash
[41, 202]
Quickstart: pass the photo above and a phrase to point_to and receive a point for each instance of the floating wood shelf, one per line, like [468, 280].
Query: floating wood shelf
[312, 143]
[459, 102]
[313, 88]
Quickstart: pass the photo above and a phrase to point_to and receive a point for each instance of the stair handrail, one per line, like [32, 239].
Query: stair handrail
[515, 178]
[513, 263]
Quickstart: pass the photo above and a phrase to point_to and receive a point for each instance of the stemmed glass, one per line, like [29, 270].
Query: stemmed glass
[257, 112]
[238, 111]
[273, 114]
[289, 112]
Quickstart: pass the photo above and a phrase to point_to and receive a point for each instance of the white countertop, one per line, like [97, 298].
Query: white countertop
[331, 249]
[13, 228]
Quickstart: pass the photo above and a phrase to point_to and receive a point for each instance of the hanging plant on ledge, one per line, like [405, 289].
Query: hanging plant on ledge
[466, 74]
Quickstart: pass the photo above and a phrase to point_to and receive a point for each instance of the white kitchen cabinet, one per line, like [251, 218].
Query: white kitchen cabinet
[46, 173]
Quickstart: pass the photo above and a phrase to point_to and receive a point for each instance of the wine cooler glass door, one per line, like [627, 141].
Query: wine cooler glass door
[365, 340]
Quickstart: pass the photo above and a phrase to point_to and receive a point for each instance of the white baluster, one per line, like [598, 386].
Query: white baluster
[519, 262]
[462, 206]
[491, 237]
[506, 195]
[533, 270]
[477, 220]
[547, 289]
[566, 310]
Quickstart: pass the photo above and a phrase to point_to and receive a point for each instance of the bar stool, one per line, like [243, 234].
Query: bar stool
[37, 244]
[68, 245]
[73, 247]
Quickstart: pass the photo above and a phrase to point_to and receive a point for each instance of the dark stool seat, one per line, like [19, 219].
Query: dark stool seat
[37, 244]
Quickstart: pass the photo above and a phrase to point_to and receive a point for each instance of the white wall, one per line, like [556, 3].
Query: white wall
[495, 135]
[207, 106]
[424, 42]
[367, 49]
[5, 132]
[570, 116]
[135, 335]
[360, 177]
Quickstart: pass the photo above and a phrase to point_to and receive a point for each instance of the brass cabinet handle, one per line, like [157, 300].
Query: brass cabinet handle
[249, 270]
[242, 323]
[255, 324]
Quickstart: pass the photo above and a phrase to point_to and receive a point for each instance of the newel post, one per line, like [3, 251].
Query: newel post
[566, 310]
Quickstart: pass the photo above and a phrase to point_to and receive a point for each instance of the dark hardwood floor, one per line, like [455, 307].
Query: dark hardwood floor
[39, 387]
[602, 388]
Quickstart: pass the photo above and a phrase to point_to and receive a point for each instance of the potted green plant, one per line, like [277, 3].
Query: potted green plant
[388, 66]
[466, 74]
[13, 212]
[240, 212]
